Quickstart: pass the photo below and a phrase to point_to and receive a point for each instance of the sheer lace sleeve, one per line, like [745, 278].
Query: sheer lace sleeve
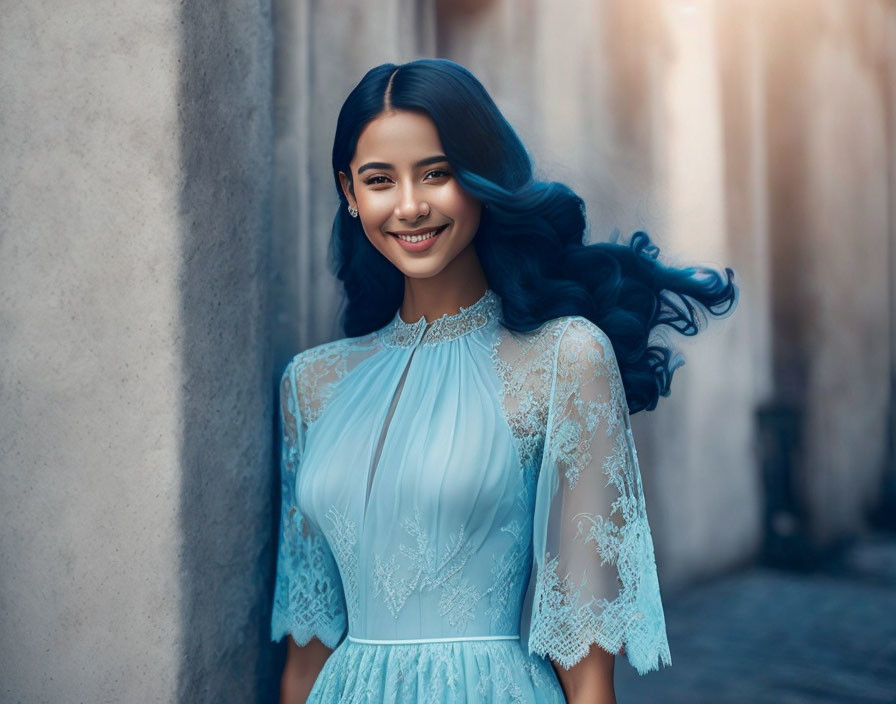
[594, 569]
[308, 594]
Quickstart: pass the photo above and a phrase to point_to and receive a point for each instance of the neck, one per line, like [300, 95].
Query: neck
[462, 283]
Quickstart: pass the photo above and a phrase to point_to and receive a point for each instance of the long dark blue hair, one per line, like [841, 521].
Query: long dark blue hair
[531, 237]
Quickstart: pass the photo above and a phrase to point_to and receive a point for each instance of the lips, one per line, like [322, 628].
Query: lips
[421, 231]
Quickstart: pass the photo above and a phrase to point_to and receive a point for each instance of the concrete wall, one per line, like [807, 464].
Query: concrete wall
[829, 168]
[135, 188]
[228, 384]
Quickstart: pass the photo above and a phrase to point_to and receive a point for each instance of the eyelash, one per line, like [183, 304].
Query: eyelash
[372, 181]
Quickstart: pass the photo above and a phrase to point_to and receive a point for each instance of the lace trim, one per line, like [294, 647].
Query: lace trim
[308, 598]
[567, 627]
[398, 333]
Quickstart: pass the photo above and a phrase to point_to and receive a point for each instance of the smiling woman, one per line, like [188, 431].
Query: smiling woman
[462, 518]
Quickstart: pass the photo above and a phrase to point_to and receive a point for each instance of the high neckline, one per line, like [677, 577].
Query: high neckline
[447, 326]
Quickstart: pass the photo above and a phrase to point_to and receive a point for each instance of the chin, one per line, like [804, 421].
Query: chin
[427, 272]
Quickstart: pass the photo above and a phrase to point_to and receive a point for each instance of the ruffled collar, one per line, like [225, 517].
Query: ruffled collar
[447, 327]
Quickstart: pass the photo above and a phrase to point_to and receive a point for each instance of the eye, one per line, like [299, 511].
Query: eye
[442, 172]
[373, 180]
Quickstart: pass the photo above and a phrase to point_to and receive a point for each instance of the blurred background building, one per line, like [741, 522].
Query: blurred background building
[166, 203]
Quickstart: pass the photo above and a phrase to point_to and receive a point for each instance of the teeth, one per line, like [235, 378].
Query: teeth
[419, 238]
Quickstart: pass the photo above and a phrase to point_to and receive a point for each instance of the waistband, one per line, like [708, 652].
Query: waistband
[430, 640]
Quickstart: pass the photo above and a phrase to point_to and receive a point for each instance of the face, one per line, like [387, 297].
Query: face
[404, 185]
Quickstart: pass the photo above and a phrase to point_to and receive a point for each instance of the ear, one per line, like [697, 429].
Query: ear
[347, 189]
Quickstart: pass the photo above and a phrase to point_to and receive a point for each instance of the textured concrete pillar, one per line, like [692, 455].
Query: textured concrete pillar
[135, 376]
[228, 385]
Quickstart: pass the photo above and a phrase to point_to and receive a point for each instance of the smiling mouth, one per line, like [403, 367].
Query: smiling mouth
[423, 236]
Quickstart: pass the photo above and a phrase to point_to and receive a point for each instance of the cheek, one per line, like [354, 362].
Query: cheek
[458, 205]
[375, 211]
[470, 211]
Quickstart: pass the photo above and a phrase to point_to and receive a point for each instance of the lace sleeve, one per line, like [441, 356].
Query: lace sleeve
[594, 570]
[308, 595]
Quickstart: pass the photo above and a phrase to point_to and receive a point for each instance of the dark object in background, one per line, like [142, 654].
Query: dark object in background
[785, 542]
[883, 515]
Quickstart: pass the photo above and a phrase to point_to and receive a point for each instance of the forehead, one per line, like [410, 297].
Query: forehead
[397, 137]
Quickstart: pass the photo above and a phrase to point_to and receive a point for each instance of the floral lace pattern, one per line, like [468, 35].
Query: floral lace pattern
[524, 363]
[319, 370]
[344, 543]
[426, 570]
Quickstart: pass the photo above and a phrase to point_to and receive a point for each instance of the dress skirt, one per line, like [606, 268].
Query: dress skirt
[492, 670]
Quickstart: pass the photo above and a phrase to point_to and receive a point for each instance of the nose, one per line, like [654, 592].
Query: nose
[410, 207]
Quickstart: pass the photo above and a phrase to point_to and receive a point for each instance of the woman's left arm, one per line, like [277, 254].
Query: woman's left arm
[594, 592]
[589, 681]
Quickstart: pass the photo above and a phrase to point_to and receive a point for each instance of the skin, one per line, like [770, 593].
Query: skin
[406, 195]
[589, 681]
[303, 665]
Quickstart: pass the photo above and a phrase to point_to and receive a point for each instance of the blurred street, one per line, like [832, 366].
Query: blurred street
[764, 635]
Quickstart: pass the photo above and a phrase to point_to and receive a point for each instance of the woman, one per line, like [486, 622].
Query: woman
[462, 513]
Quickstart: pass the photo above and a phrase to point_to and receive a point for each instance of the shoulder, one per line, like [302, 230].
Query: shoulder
[547, 334]
[316, 356]
[584, 346]
[567, 339]
[586, 365]
[581, 333]
[574, 334]
[312, 374]
[316, 361]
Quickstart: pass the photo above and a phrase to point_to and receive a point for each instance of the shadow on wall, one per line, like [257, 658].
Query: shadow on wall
[226, 145]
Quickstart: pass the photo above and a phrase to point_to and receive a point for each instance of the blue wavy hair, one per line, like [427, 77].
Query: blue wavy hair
[531, 237]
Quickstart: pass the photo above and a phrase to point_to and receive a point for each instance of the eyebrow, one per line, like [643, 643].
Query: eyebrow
[383, 165]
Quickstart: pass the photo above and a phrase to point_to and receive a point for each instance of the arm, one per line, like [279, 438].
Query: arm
[594, 592]
[589, 681]
[309, 605]
[303, 665]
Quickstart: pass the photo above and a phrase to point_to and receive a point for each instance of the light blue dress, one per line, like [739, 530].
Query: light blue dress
[461, 502]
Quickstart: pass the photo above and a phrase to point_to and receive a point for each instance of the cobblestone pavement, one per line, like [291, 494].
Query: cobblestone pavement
[764, 635]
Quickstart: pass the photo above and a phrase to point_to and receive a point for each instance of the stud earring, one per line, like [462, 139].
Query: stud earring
[353, 211]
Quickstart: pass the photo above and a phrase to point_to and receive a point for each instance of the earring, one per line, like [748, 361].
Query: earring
[353, 211]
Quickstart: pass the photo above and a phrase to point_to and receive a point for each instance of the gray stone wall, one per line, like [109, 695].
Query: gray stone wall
[135, 188]
[228, 385]
[830, 151]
